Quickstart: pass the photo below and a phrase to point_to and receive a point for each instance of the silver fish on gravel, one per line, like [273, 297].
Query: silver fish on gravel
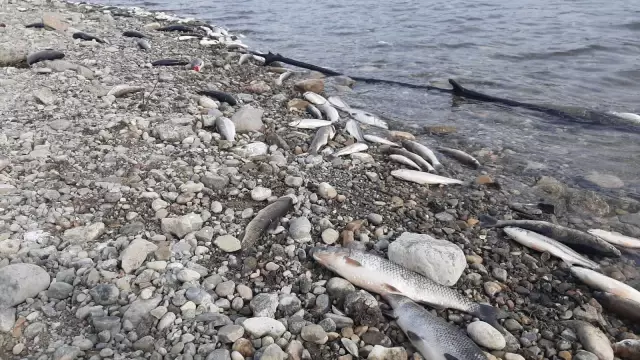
[244, 58]
[353, 148]
[309, 123]
[424, 178]
[313, 111]
[322, 137]
[209, 42]
[542, 243]
[419, 160]
[329, 111]
[353, 128]
[367, 118]
[143, 44]
[268, 217]
[616, 238]
[423, 151]
[283, 77]
[404, 160]
[382, 276]
[314, 98]
[431, 335]
[338, 103]
[558, 232]
[226, 128]
[604, 283]
[461, 156]
[379, 140]
[187, 37]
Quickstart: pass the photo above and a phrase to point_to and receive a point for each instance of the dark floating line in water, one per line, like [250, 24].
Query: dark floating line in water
[581, 115]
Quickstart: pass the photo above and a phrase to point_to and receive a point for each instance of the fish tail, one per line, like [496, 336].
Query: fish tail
[490, 315]
[487, 221]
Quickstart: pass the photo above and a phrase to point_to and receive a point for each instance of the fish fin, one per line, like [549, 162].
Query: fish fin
[487, 221]
[413, 337]
[490, 315]
[450, 357]
[390, 314]
[352, 262]
[391, 288]
[457, 88]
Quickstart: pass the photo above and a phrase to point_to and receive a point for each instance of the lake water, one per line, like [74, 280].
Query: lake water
[583, 53]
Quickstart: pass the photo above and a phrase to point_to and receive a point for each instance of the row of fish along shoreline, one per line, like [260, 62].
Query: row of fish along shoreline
[176, 212]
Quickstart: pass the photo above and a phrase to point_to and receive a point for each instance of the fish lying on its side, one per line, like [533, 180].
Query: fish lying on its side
[404, 160]
[542, 243]
[602, 282]
[313, 111]
[625, 308]
[309, 123]
[419, 160]
[560, 233]
[338, 103]
[268, 217]
[329, 111]
[423, 151]
[381, 276]
[628, 349]
[367, 118]
[379, 140]
[591, 338]
[353, 128]
[314, 98]
[432, 336]
[461, 156]
[616, 238]
[283, 77]
[353, 148]
[424, 178]
[322, 137]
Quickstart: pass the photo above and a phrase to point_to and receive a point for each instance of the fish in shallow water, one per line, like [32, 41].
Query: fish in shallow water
[424, 164]
[542, 243]
[404, 160]
[309, 123]
[226, 128]
[602, 282]
[381, 276]
[268, 217]
[322, 137]
[424, 178]
[616, 238]
[379, 140]
[425, 152]
[625, 308]
[560, 233]
[461, 156]
[283, 77]
[367, 118]
[431, 335]
[353, 148]
[353, 128]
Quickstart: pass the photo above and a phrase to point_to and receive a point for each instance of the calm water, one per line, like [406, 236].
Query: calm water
[583, 53]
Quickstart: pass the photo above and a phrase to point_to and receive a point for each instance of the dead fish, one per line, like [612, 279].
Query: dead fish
[379, 140]
[122, 90]
[313, 111]
[602, 282]
[170, 62]
[38, 56]
[461, 156]
[322, 137]
[220, 96]
[423, 151]
[135, 34]
[283, 77]
[431, 335]
[616, 238]
[591, 338]
[143, 44]
[424, 178]
[244, 58]
[404, 160]
[367, 118]
[37, 25]
[196, 64]
[353, 148]
[353, 128]
[309, 123]
[267, 218]
[424, 164]
[377, 274]
[329, 111]
[541, 243]
[625, 308]
[401, 135]
[627, 349]
[226, 128]
[560, 233]
[314, 98]
[627, 116]
[176, 27]
[188, 37]
[209, 42]
[87, 37]
[338, 103]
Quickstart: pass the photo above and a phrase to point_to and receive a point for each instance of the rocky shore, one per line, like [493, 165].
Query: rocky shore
[121, 214]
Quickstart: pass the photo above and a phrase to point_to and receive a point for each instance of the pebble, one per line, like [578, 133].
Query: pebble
[330, 236]
[300, 229]
[24, 280]
[264, 305]
[314, 334]
[230, 333]
[486, 335]
[326, 191]
[228, 243]
[261, 326]
[260, 193]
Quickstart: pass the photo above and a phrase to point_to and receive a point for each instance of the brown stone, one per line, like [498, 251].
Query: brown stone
[297, 104]
[258, 87]
[484, 180]
[472, 222]
[244, 347]
[565, 355]
[55, 22]
[313, 85]
[401, 135]
[347, 237]
[440, 129]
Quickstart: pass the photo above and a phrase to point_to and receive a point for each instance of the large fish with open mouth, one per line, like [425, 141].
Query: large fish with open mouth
[542, 243]
[602, 282]
[382, 276]
[431, 335]
[560, 233]
[616, 238]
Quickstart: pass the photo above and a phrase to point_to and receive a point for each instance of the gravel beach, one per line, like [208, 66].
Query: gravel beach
[122, 210]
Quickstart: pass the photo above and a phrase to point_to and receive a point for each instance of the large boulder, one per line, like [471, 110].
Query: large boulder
[439, 260]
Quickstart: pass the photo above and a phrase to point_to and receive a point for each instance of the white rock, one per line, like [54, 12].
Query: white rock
[251, 150]
[327, 191]
[248, 119]
[261, 326]
[260, 193]
[382, 353]
[486, 335]
[166, 321]
[300, 229]
[21, 281]
[45, 96]
[228, 243]
[208, 103]
[439, 260]
[181, 226]
[186, 275]
[330, 236]
[134, 255]
[82, 234]
[9, 247]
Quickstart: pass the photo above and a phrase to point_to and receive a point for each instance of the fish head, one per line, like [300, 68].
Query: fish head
[331, 257]
[396, 300]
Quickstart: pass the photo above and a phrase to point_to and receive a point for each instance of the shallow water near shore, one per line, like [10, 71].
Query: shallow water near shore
[580, 54]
